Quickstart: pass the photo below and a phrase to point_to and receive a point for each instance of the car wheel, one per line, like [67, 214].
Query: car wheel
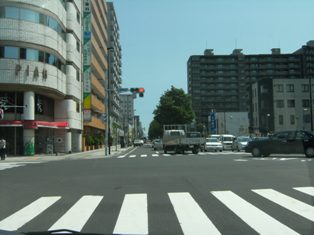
[256, 152]
[309, 152]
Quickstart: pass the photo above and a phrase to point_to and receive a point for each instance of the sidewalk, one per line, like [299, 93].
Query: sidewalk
[92, 154]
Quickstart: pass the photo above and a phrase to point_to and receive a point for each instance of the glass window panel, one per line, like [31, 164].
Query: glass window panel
[11, 12]
[1, 52]
[41, 56]
[2, 12]
[32, 54]
[29, 15]
[50, 59]
[11, 52]
[22, 53]
[43, 19]
[52, 23]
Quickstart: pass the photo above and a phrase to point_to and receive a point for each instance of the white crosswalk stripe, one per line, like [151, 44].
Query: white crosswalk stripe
[77, 216]
[133, 217]
[21, 217]
[191, 217]
[132, 156]
[254, 217]
[287, 202]
[155, 155]
[306, 190]
[143, 155]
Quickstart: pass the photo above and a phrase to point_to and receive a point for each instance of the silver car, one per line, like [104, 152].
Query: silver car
[213, 144]
[240, 143]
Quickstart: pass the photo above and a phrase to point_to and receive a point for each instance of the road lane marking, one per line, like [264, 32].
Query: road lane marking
[191, 217]
[294, 205]
[155, 155]
[166, 155]
[307, 190]
[26, 214]
[254, 217]
[132, 156]
[143, 155]
[133, 216]
[121, 156]
[76, 217]
[240, 160]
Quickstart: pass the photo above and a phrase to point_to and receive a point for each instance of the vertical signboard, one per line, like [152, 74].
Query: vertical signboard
[87, 61]
[213, 127]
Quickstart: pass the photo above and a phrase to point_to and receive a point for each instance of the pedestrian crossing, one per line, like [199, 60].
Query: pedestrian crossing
[161, 154]
[134, 213]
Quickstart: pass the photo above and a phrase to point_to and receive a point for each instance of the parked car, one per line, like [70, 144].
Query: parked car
[157, 144]
[227, 141]
[213, 144]
[284, 142]
[240, 143]
[138, 142]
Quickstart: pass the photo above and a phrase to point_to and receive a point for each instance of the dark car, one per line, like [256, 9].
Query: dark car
[284, 142]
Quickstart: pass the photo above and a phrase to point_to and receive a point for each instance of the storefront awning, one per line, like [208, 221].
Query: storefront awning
[30, 124]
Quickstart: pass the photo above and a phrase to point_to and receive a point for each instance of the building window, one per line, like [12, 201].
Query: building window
[305, 88]
[279, 104]
[32, 54]
[78, 17]
[278, 88]
[292, 119]
[77, 107]
[77, 75]
[280, 119]
[11, 12]
[305, 103]
[291, 103]
[290, 88]
[11, 52]
[78, 46]
[29, 15]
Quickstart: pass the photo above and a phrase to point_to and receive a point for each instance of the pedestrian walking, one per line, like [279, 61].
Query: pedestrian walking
[2, 148]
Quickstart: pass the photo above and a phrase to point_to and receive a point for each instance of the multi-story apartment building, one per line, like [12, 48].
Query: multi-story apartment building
[96, 53]
[127, 110]
[40, 76]
[223, 82]
[114, 73]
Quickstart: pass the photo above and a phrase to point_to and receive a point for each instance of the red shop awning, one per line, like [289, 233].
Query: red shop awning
[31, 124]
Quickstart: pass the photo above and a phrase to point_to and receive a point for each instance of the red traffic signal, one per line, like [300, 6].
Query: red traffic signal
[139, 90]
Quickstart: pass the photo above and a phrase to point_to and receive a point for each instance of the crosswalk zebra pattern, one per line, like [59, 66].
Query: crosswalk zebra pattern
[133, 217]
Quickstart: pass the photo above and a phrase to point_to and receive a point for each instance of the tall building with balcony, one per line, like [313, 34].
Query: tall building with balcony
[40, 76]
[223, 82]
[127, 111]
[114, 59]
[95, 63]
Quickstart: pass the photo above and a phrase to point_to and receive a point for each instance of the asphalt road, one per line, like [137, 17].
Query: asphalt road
[148, 192]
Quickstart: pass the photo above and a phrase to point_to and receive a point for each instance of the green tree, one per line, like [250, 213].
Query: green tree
[155, 130]
[175, 107]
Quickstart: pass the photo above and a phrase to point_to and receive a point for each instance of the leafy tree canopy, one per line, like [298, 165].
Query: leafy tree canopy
[155, 130]
[175, 107]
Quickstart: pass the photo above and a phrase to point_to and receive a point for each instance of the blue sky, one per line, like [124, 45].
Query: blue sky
[158, 36]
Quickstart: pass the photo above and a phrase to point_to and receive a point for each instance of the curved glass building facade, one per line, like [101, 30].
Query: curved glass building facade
[40, 76]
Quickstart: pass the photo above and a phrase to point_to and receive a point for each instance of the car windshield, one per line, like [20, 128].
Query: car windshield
[244, 139]
[212, 140]
[191, 117]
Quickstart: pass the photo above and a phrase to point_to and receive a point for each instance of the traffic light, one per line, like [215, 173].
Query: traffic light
[139, 90]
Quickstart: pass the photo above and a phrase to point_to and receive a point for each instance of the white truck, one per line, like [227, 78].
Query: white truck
[177, 138]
